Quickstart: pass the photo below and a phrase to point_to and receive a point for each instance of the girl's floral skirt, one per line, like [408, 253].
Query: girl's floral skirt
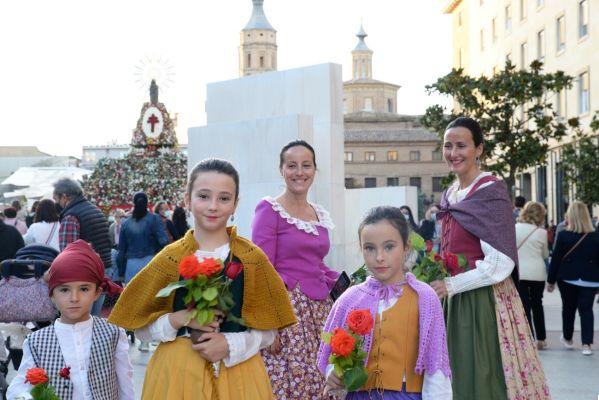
[178, 372]
[491, 348]
[293, 372]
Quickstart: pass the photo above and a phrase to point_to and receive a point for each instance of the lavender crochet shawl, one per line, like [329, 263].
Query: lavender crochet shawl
[432, 349]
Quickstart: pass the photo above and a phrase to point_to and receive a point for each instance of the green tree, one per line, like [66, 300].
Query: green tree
[514, 110]
[580, 160]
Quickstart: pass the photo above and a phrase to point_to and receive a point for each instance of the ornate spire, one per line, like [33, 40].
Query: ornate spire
[153, 92]
[258, 19]
[361, 46]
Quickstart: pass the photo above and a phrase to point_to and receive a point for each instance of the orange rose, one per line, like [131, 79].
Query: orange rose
[342, 343]
[360, 321]
[36, 376]
[189, 268]
[209, 267]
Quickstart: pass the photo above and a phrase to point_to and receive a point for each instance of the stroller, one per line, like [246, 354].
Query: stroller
[19, 276]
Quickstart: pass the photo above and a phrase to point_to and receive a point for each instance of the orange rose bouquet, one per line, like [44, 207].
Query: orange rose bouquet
[41, 388]
[208, 288]
[347, 355]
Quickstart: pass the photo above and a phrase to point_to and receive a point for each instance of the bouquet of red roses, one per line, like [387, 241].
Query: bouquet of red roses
[208, 287]
[347, 355]
[432, 266]
[41, 388]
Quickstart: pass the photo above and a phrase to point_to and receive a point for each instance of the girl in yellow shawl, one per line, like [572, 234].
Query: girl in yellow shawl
[182, 370]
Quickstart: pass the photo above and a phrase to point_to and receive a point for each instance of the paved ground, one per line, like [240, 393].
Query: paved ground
[571, 375]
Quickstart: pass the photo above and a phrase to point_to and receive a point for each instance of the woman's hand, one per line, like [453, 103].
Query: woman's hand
[179, 319]
[275, 347]
[440, 288]
[332, 383]
[550, 287]
[213, 346]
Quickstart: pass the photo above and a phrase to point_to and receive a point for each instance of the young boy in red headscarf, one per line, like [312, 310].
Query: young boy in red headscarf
[84, 357]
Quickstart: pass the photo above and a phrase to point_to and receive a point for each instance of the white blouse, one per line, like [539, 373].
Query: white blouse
[532, 252]
[242, 345]
[492, 269]
[43, 233]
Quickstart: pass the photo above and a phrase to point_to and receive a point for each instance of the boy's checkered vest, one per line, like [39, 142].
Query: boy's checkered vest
[101, 373]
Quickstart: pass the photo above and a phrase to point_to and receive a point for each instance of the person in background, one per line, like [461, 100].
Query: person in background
[45, 228]
[519, 202]
[31, 216]
[114, 230]
[575, 268]
[11, 241]
[428, 227]
[162, 210]
[180, 221]
[10, 218]
[531, 240]
[21, 212]
[409, 216]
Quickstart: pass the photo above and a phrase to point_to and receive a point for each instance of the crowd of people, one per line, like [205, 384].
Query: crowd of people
[470, 335]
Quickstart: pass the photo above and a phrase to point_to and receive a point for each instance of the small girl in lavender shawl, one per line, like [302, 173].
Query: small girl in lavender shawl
[407, 351]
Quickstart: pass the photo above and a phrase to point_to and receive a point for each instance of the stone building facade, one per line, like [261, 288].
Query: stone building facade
[258, 44]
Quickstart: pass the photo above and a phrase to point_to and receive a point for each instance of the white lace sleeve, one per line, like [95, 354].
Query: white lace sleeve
[436, 386]
[494, 268]
[160, 330]
[244, 345]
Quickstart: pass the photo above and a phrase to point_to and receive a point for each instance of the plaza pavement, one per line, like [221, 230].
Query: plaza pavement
[571, 375]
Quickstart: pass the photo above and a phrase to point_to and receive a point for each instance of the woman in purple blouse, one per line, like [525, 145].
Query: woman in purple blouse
[294, 234]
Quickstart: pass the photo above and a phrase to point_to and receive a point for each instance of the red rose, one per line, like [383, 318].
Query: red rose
[429, 246]
[451, 261]
[65, 373]
[209, 267]
[189, 267]
[342, 343]
[360, 321]
[438, 257]
[234, 268]
[36, 376]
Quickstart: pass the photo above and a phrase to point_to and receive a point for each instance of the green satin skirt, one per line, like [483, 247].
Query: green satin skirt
[473, 343]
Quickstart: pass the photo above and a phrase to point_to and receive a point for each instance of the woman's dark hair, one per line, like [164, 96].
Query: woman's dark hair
[390, 214]
[213, 165]
[294, 143]
[411, 220]
[46, 211]
[140, 205]
[157, 206]
[471, 125]
[10, 212]
[180, 220]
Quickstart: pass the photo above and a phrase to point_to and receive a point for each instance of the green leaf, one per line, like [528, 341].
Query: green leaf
[197, 294]
[462, 260]
[417, 241]
[326, 337]
[210, 293]
[202, 317]
[338, 370]
[166, 291]
[354, 378]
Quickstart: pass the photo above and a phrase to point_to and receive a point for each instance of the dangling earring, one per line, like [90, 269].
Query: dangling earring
[478, 162]
[232, 217]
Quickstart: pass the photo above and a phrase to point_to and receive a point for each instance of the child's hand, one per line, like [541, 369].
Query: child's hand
[213, 346]
[440, 288]
[332, 384]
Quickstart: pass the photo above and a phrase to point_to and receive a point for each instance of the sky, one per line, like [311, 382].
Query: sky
[70, 70]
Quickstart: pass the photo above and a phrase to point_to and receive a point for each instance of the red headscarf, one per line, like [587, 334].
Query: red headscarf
[79, 262]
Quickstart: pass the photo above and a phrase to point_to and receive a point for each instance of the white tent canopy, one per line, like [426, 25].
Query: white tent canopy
[36, 182]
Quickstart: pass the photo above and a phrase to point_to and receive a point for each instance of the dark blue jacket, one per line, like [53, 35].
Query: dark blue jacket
[140, 238]
[581, 263]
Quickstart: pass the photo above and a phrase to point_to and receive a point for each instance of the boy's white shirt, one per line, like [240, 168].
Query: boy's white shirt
[242, 345]
[435, 386]
[75, 343]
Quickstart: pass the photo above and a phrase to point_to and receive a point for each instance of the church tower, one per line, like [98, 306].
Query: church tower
[258, 44]
[362, 58]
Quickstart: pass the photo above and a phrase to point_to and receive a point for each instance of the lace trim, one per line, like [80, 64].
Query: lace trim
[324, 218]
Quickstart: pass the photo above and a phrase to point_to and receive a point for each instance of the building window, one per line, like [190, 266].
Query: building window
[541, 45]
[261, 61]
[415, 155]
[370, 156]
[416, 181]
[393, 181]
[368, 104]
[392, 155]
[560, 26]
[482, 40]
[583, 93]
[369, 182]
[560, 104]
[508, 18]
[523, 9]
[437, 155]
[437, 183]
[389, 105]
[523, 55]
[349, 156]
[249, 61]
[350, 183]
[583, 18]
[494, 29]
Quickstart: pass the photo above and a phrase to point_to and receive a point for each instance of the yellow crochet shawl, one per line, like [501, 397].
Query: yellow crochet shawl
[266, 304]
